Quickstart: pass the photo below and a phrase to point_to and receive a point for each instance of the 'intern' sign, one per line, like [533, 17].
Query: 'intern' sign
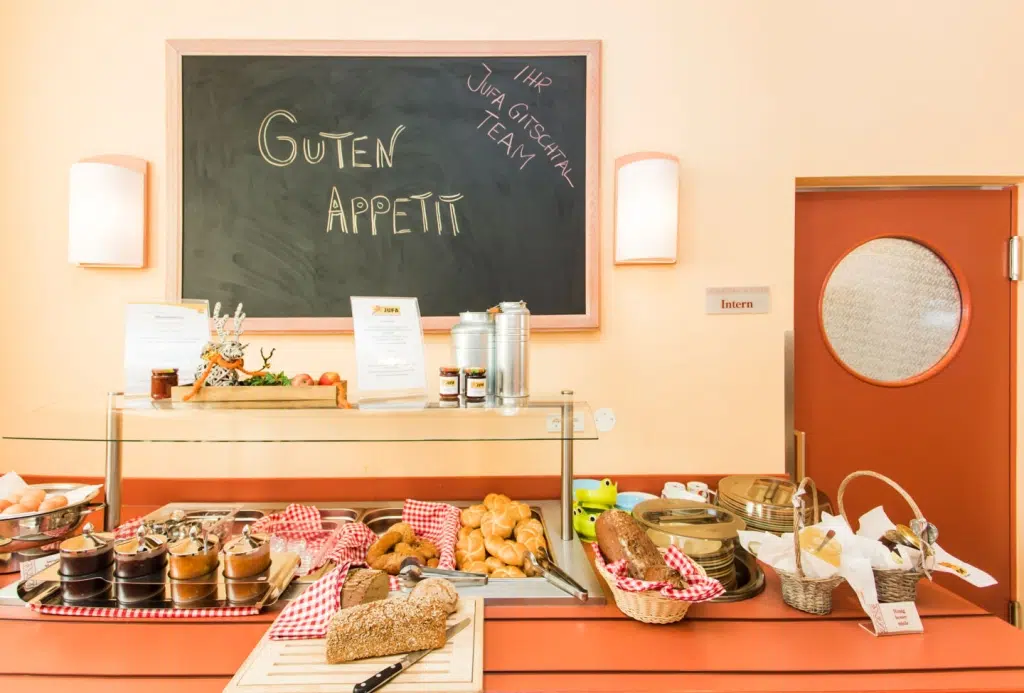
[725, 300]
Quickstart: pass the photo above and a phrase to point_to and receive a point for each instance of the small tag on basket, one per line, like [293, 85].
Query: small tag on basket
[38, 565]
[896, 618]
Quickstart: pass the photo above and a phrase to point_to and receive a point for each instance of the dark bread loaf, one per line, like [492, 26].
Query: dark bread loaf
[386, 627]
[362, 586]
[620, 537]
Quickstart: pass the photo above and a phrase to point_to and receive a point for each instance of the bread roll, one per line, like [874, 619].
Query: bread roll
[510, 552]
[493, 563]
[363, 586]
[476, 567]
[508, 571]
[437, 588]
[386, 627]
[493, 501]
[497, 523]
[472, 515]
[620, 537]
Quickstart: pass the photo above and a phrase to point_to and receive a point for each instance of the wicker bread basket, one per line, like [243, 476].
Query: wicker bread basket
[647, 607]
[892, 584]
[810, 595]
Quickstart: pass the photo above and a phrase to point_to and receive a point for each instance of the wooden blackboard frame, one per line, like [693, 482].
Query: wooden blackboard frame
[591, 50]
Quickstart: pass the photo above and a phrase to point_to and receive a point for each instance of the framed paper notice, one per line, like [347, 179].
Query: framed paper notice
[163, 335]
[389, 347]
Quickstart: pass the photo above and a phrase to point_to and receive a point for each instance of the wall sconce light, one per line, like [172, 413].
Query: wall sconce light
[646, 208]
[107, 212]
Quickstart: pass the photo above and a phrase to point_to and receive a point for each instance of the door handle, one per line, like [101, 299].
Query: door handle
[801, 455]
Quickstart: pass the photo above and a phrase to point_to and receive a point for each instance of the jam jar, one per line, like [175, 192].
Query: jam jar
[448, 384]
[85, 554]
[246, 555]
[143, 554]
[161, 381]
[476, 384]
[193, 556]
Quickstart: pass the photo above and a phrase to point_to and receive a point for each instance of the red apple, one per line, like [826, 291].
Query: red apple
[330, 378]
[302, 380]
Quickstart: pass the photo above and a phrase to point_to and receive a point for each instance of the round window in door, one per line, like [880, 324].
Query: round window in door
[891, 312]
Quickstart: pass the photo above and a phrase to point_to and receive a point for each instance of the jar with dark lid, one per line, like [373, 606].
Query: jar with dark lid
[161, 381]
[193, 556]
[246, 555]
[85, 554]
[476, 384]
[448, 385]
[143, 554]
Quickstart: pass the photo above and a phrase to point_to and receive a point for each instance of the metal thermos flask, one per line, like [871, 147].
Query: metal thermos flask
[473, 346]
[512, 349]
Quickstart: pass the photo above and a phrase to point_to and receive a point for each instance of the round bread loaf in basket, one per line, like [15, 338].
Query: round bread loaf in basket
[647, 607]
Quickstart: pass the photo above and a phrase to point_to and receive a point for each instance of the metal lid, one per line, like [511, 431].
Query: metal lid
[194, 544]
[513, 307]
[476, 316]
[247, 543]
[87, 542]
[767, 491]
[685, 518]
[142, 542]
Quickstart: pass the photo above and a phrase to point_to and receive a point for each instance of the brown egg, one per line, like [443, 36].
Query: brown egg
[53, 503]
[32, 496]
[15, 509]
[14, 498]
[29, 505]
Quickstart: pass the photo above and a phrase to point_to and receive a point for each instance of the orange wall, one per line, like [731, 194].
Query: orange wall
[749, 94]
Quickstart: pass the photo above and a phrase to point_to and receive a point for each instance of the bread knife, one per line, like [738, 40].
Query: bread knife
[384, 675]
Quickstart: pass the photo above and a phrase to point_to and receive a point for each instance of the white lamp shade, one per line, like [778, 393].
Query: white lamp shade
[107, 214]
[646, 208]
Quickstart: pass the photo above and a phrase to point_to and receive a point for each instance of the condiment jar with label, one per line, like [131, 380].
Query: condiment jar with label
[143, 554]
[448, 384]
[161, 381]
[476, 384]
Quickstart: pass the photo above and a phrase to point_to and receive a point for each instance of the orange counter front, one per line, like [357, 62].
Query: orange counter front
[757, 645]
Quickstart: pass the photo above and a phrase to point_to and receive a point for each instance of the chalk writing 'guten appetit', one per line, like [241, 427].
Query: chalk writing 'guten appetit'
[314, 152]
[521, 118]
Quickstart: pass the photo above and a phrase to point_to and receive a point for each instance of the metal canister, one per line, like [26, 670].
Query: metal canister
[512, 349]
[473, 346]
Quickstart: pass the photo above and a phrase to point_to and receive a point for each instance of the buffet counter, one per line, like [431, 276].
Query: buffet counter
[755, 645]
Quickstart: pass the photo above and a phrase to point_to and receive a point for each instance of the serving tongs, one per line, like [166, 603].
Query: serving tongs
[413, 570]
[541, 561]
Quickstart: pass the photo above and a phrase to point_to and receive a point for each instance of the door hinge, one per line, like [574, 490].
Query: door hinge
[1013, 269]
[1016, 615]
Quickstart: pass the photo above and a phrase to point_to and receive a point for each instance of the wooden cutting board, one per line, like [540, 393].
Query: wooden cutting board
[297, 666]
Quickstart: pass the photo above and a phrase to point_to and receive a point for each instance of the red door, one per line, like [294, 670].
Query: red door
[903, 340]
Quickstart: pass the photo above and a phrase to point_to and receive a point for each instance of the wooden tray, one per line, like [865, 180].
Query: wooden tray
[308, 397]
[298, 666]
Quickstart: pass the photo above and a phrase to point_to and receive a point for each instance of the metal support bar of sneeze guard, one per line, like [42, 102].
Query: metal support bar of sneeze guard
[568, 428]
[112, 476]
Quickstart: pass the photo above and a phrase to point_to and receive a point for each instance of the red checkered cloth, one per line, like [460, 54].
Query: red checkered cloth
[301, 522]
[701, 588]
[128, 529]
[112, 612]
[309, 615]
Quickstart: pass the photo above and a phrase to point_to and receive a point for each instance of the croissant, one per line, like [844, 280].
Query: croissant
[497, 523]
[403, 530]
[390, 563]
[510, 552]
[381, 547]
[495, 500]
[472, 515]
[508, 571]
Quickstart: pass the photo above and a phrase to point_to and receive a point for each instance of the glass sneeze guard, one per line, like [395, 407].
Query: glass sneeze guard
[142, 420]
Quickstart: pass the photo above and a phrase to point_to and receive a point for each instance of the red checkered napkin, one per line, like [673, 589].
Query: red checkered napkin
[701, 588]
[128, 529]
[308, 615]
[301, 522]
[112, 612]
[438, 523]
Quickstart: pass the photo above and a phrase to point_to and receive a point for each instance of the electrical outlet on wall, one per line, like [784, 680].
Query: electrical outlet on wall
[554, 423]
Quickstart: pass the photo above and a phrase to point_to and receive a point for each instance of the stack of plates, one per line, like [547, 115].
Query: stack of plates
[704, 533]
[765, 503]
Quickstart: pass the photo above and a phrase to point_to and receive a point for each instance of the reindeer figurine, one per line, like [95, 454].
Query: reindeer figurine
[222, 360]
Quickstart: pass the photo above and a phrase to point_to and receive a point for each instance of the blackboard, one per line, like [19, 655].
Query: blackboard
[462, 180]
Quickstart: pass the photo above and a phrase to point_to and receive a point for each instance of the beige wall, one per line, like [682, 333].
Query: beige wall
[749, 94]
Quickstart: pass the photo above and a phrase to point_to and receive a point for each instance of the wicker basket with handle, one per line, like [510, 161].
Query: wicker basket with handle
[892, 584]
[650, 606]
[810, 595]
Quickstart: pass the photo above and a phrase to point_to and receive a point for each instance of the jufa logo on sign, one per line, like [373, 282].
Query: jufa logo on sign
[387, 310]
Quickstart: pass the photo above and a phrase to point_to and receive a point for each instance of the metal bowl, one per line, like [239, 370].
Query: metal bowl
[29, 531]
